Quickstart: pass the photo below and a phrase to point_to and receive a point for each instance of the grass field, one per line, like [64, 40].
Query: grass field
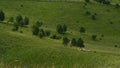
[23, 50]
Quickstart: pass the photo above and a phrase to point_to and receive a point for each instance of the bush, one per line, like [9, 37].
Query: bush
[82, 30]
[35, 30]
[59, 29]
[73, 42]
[55, 37]
[19, 20]
[117, 5]
[87, 13]
[93, 17]
[41, 33]
[26, 21]
[47, 33]
[65, 41]
[107, 2]
[116, 46]
[64, 28]
[2, 16]
[80, 43]
[87, 1]
[21, 23]
[39, 24]
[94, 37]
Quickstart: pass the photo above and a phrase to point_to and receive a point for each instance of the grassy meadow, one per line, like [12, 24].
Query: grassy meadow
[23, 50]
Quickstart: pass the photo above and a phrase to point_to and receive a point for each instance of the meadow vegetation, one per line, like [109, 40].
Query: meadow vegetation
[72, 34]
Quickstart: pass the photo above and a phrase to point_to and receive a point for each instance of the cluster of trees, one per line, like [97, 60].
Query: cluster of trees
[20, 22]
[87, 1]
[39, 32]
[74, 42]
[107, 2]
[77, 43]
[61, 29]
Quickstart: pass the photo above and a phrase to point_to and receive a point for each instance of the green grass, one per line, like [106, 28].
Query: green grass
[24, 49]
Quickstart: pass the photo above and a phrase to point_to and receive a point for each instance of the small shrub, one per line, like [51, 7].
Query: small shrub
[87, 13]
[47, 32]
[39, 24]
[116, 46]
[94, 37]
[111, 22]
[82, 30]
[93, 17]
[55, 37]
[21, 31]
[102, 35]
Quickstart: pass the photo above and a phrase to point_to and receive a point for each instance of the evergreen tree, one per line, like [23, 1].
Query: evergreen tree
[80, 43]
[2, 16]
[65, 40]
[19, 20]
[35, 30]
[59, 29]
[82, 30]
[73, 42]
[64, 28]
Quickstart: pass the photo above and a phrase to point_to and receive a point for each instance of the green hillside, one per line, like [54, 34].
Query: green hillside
[24, 50]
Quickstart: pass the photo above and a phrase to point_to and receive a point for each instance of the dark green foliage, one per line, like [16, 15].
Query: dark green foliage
[21, 23]
[80, 43]
[87, 13]
[55, 37]
[82, 30]
[94, 37]
[93, 17]
[16, 27]
[64, 28]
[59, 29]
[35, 30]
[41, 33]
[39, 24]
[117, 5]
[65, 41]
[19, 18]
[73, 42]
[107, 2]
[87, 1]
[26, 21]
[116, 46]
[2, 16]
[11, 19]
[47, 33]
